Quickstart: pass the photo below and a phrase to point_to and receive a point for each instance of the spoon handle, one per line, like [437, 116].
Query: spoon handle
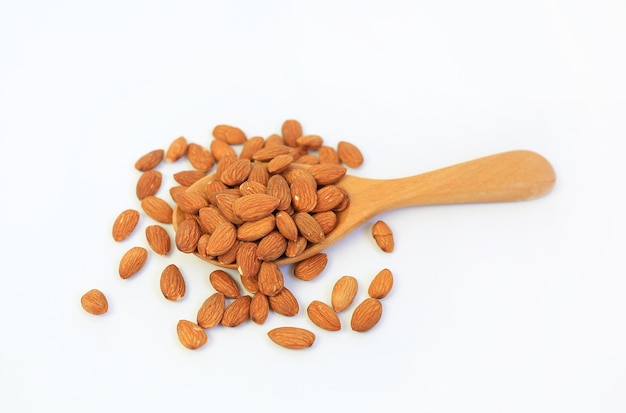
[509, 176]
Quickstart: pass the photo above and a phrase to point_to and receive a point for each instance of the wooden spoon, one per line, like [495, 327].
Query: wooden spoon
[509, 176]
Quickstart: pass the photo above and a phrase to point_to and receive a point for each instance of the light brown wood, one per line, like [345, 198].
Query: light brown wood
[510, 176]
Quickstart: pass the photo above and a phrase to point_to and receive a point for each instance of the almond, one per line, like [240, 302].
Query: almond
[200, 157]
[224, 283]
[150, 160]
[295, 248]
[222, 239]
[176, 150]
[292, 337]
[277, 186]
[328, 154]
[311, 267]
[349, 154]
[279, 163]
[252, 187]
[259, 173]
[221, 149]
[291, 131]
[259, 308]
[158, 239]
[310, 141]
[210, 217]
[177, 190]
[157, 209]
[329, 197]
[327, 221]
[268, 153]
[132, 261]
[255, 206]
[248, 264]
[191, 202]
[250, 284]
[286, 225]
[343, 293]
[225, 202]
[274, 140]
[188, 178]
[309, 228]
[383, 236]
[254, 230]
[323, 316]
[148, 184]
[187, 235]
[303, 194]
[125, 224]
[214, 187]
[270, 279]
[203, 241]
[271, 247]
[236, 173]
[326, 173]
[190, 334]
[229, 256]
[381, 284]
[94, 302]
[212, 310]
[229, 134]
[237, 312]
[251, 146]
[366, 315]
[284, 303]
[172, 283]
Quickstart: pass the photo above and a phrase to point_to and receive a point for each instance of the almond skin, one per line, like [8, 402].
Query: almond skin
[328, 197]
[284, 303]
[343, 293]
[327, 221]
[259, 308]
[295, 248]
[292, 337]
[149, 160]
[326, 173]
[312, 142]
[158, 239]
[381, 284]
[221, 149]
[248, 264]
[224, 283]
[191, 202]
[277, 186]
[310, 268]
[254, 230]
[132, 261]
[349, 154]
[366, 315]
[94, 302]
[251, 146]
[328, 154]
[190, 334]
[268, 153]
[172, 283]
[236, 173]
[271, 247]
[286, 225]
[187, 235]
[125, 224]
[279, 163]
[255, 206]
[222, 239]
[383, 236]
[200, 157]
[148, 184]
[157, 209]
[237, 312]
[212, 310]
[176, 150]
[291, 131]
[303, 194]
[308, 227]
[270, 279]
[229, 134]
[323, 316]
[188, 178]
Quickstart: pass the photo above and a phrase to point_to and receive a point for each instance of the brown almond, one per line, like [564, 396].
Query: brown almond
[255, 206]
[200, 157]
[148, 183]
[250, 284]
[295, 248]
[251, 146]
[274, 140]
[294, 172]
[329, 197]
[292, 337]
[252, 187]
[222, 239]
[259, 308]
[309, 228]
[326, 173]
[224, 164]
[291, 131]
[254, 230]
[271, 247]
[224, 283]
[381, 284]
[327, 221]
[237, 312]
[248, 264]
[270, 279]
[268, 153]
[190, 334]
[157, 209]
[310, 268]
[210, 217]
[187, 235]
[214, 187]
[203, 241]
[125, 224]
[343, 293]
[277, 186]
[279, 163]
[328, 154]
[309, 159]
[310, 141]
[229, 256]
[323, 316]
[176, 150]
[177, 190]
[286, 225]
[191, 202]
[150, 160]
[383, 236]
[188, 178]
[172, 283]
[221, 149]
[349, 154]
[132, 261]
[158, 239]
[229, 134]
[94, 302]
[225, 202]
[298, 153]
[236, 173]
[284, 303]
[212, 310]
[366, 315]
[303, 195]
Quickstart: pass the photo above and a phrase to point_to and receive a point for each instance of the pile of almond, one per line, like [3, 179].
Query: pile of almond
[255, 204]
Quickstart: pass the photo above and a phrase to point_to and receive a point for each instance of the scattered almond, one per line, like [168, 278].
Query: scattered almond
[291, 130]
[292, 337]
[328, 154]
[349, 154]
[224, 283]
[366, 315]
[188, 178]
[212, 310]
[200, 157]
[190, 334]
[259, 308]
[284, 303]
[381, 284]
[149, 160]
[229, 134]
[125, 224]
[343, 293]
[172, 283]
[176, 150]
[158, 239]
[148, 183]
[323, 316]
[132, 261]
[157, 209]
[383, 236]
[311, 267]
[237, 312]
[270, 279]
[221, 149]
[94, 302]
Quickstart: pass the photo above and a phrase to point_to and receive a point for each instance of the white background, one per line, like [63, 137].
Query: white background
[516, 307]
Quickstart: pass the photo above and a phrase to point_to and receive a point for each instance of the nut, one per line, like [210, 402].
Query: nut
[94, 302]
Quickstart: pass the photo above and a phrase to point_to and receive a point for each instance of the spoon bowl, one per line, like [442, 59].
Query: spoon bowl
[509, 176]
